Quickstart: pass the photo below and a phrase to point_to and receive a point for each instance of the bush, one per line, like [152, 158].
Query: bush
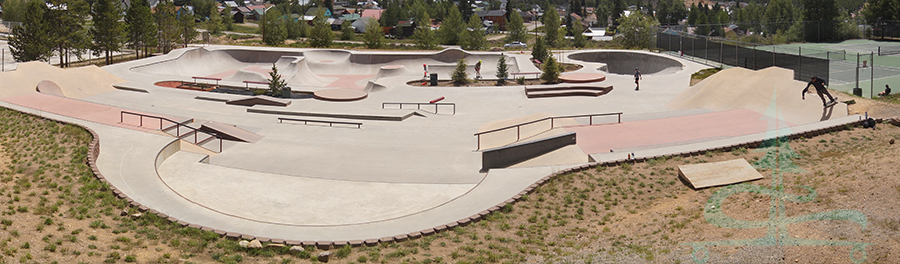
[459, 76]
[551, 71]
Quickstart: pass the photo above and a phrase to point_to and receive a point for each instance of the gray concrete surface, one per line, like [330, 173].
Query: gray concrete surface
[320, 183]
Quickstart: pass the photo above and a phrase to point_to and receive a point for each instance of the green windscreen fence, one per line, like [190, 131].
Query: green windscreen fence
[744, 55]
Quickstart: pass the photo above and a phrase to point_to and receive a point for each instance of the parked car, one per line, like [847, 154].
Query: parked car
[515, 44]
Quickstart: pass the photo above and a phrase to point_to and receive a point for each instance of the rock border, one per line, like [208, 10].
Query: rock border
[94, 153]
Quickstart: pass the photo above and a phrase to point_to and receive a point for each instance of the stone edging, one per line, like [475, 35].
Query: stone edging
[94, 152]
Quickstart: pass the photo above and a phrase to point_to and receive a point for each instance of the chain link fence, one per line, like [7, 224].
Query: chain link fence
[720, 51]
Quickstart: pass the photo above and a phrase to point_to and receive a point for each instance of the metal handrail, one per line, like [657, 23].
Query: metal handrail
[177, 127]
[552, 124]
[330, 123]
[419, 105]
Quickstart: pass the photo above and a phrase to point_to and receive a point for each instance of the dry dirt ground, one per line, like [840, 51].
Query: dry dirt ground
[54, 210]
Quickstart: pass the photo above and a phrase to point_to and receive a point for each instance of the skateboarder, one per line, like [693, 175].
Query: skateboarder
[637, 77]
[478, 70]
[820, 89]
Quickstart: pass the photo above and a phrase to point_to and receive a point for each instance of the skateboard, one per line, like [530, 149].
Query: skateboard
[832, 103]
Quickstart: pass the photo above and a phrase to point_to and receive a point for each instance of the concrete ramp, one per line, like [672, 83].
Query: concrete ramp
[705, 175]
[72, 82]
[757, 91]
[49, 87]
[230, 132]
[260, 100]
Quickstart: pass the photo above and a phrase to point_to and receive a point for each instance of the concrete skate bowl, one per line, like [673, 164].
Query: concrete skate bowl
[624, 62]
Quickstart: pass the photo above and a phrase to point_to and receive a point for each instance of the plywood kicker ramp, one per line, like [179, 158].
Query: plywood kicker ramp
[718, 173]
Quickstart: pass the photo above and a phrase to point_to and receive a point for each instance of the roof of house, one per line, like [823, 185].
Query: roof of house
[373, 13]
[491, 13]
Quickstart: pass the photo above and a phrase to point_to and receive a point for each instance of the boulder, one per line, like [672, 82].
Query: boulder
[255, 244]
[324, 255]
[244, 243]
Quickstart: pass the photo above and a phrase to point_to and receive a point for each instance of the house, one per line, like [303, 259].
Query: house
[404, 28]
[497, 17]
[373, 13]
[312, 11]
[350, 17]
[360, 24]
[530, 16]
[237, 16]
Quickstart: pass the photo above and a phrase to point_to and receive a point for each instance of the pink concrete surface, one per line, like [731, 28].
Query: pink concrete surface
[222, 75]
[582, 77]
[259, 69]
[603, 138]
[348, 81]
[98, 113]
[340, 94]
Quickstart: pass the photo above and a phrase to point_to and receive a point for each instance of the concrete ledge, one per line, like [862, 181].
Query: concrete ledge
[508, 155]
[399, 117]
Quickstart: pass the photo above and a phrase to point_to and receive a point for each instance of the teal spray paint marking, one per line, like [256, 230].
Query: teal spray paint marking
[777, 158]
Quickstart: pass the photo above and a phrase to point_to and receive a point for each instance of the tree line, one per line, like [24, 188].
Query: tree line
[61, 27]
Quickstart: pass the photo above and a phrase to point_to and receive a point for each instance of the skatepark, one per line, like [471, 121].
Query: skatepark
[386, 163]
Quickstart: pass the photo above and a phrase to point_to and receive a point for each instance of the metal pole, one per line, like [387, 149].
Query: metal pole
[857, 71]
[721, 54]
[872, 75]
[800, 65]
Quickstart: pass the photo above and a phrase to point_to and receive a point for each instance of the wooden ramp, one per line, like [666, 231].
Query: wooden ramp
[718, 173]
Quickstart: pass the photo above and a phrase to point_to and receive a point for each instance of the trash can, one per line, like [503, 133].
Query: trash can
[857, 92]
[434, 79]
[286, 92]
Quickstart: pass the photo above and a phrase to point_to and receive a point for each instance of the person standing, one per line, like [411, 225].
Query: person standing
[637, 77]
[820, 90]
[426, 69]
[478, 70]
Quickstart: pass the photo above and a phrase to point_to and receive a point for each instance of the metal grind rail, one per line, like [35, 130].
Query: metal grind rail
[419, 105]
[330, 123]
[552, 123]
[177, 125]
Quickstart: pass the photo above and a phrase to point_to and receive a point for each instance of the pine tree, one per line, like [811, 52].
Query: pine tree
[578, 39]
[551, 71]
[28, 41]
[214, 25]
[451, 28]
[320, 36]
[67, 32]
[459, 75]
[167, 24]
[140, 27]
[423, 35]
[374, 36]
[516, 28]
[473, 37]
[551, 27]
[502, 70]
[187, 27]
[539, 50]
[107, 31]
[276, 83]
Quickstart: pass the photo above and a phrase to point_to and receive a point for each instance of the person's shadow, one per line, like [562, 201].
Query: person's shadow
[826, 112]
